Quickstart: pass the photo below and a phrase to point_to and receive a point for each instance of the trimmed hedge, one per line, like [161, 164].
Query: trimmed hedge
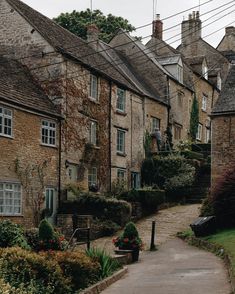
[149, 199]
[101, 207]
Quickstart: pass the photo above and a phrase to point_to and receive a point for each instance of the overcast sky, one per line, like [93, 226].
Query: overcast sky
[140, 12]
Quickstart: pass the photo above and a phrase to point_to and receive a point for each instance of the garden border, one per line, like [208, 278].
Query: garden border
[218, 250]
[100, 286]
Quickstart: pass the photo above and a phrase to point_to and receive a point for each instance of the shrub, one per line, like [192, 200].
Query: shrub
[207, 207]
[12, 235]
[46, 231]
[19, 268]
[100, 207]
[49, 239]
[78, 267]
[129, 239]
[192, 155]
[150, 199]
[107, 263]
[32, 237]
[172, 173]
[105, 227]
[223, 199]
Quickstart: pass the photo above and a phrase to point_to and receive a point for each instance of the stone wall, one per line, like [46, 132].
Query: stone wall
[223, 145]
[25, 146]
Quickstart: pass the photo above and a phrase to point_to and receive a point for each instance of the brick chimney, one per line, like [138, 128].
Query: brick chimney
[92, 33]
[157, 27]
[191, 29]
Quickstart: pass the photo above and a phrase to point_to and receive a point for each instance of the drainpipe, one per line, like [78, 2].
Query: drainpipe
[110, 136]
[60, 155]
[168, 100]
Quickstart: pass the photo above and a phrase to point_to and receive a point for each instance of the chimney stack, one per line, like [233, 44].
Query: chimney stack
[191, 28]
[92, 33]
[230, 30]
[157, 28]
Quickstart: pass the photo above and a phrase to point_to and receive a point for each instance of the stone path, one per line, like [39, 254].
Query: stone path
[176, 268]
[168, 223]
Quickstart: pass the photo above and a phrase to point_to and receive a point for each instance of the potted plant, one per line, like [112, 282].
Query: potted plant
[129, 240]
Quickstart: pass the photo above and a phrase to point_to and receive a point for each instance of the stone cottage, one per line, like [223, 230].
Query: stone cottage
[29, 146]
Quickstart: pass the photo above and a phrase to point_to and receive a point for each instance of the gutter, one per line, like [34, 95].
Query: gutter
[110, 136]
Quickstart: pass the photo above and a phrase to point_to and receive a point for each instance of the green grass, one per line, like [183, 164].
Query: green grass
[226, 239]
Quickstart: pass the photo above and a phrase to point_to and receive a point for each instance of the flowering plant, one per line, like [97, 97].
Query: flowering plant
[129, 239]
[126, 243]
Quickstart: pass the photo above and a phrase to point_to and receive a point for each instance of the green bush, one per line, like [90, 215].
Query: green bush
[172, 173]
[11, 235]
[32, 237]
[49, 239]
[46, 231]
[19, 268]
[207, 207]
[100, 207]
[78, 267]
[107, 263]
[150, 199]
[130, 231]
[105, 227]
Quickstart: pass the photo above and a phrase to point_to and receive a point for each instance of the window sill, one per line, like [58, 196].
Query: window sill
[50, 146]
[96, 101]
[94, 146]
[6, 136]
[123, 113]
[121, 154]
[204, 110]
[11, 215]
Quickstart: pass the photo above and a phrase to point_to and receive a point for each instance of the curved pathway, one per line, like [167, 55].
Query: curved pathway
[176, 268]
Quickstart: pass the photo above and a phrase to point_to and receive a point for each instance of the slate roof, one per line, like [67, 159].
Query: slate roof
[226, 101]
[70, 44]
[125, 68]
[18, 87]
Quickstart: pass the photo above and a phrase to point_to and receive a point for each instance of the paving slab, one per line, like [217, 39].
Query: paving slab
[176, 268]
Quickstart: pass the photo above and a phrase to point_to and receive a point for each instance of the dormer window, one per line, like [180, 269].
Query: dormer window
[219, 81]
[205, 71]
[180, 73]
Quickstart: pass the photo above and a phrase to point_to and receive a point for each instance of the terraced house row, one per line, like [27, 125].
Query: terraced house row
[77, 112]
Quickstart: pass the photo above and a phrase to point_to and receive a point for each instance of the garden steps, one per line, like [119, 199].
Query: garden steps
[123, 256]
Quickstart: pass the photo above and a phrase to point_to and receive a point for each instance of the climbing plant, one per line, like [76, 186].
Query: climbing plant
[194, 119]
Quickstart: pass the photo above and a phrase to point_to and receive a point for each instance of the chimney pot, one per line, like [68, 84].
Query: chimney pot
[92, 33]
[157, 27]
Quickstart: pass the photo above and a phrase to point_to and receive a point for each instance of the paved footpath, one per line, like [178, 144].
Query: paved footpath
[176, 268]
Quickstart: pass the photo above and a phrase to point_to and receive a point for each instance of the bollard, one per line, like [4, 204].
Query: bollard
[152, 245]
[88, 238]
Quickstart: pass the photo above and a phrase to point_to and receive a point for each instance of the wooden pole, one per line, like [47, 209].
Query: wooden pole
[152, 245]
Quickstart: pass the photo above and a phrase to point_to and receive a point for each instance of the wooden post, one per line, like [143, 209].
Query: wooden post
[152, 245]
[88, 239]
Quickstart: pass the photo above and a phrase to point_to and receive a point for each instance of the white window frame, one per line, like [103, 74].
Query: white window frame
[94, 87]
[219, 81]
[155, 123]
[204, 102]
[93, 132]
[6, 122]
[9, 196]
[49, 138]
[199, 132]
[121, 100]
[50, 199]
[121, 175]
[207, 134]
[121, 141]
[135, 182]
[92, 176]
[180, 73]
[205, 71]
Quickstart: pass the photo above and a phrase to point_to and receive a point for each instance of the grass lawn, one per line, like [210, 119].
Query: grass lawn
[226, 239]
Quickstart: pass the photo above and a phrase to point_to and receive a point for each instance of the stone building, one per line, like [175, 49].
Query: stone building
[103, 103]
[223, 128]
[191, 72]
[29, 146]
[168, 85]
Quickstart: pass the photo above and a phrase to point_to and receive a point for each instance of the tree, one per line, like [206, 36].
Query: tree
[77, 22]
[194, 119]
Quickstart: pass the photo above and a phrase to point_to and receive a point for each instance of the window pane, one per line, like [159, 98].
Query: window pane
[48, 133]
[10, 198]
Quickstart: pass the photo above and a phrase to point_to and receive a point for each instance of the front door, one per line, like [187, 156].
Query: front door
[51, 204]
